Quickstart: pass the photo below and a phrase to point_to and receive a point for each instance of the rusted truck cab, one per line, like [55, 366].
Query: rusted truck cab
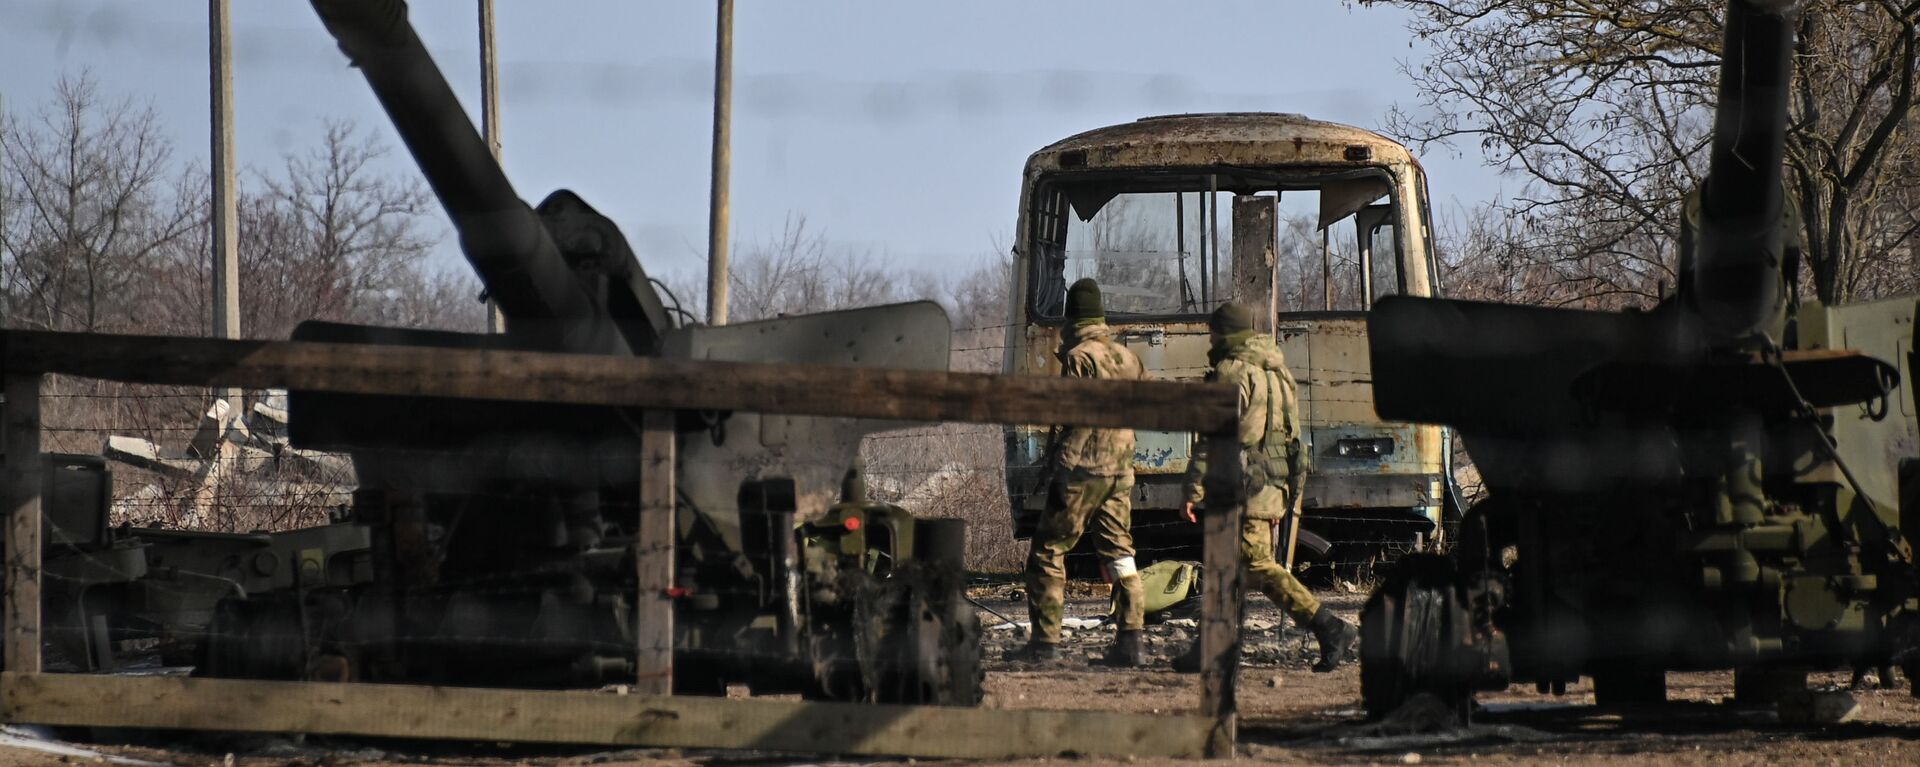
[1147, 209]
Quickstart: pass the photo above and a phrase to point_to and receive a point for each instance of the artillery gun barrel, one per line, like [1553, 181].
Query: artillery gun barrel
[1739, 265]
[511, 250]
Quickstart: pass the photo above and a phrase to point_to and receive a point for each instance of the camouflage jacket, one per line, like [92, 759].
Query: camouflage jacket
[1092, 352]
[1269, 400]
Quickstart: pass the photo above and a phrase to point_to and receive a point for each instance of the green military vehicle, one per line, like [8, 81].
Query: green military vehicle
[1723, 481]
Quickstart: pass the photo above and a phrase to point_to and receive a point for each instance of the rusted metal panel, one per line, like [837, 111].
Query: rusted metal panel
[1411, 492]
[1339, 378]
[1241, 139]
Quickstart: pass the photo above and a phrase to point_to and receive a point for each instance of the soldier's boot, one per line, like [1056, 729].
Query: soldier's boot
[1859, 680]
[1337, 638]
[1033, 652]
[1883, 677]
[1125, 652]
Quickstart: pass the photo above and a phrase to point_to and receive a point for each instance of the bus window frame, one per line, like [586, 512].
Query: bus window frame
[1364, 239]
[1046, 187]
[1425, 201]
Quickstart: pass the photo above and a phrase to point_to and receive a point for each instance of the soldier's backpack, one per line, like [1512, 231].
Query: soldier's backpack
[1167, 583]
[1279, 454]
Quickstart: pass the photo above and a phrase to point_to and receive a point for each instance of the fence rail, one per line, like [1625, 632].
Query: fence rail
[27, 695]
[515, 376]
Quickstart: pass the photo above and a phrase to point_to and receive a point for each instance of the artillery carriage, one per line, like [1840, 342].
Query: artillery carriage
[1710, 484]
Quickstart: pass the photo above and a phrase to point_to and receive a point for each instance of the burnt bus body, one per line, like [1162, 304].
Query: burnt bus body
[1148, 209]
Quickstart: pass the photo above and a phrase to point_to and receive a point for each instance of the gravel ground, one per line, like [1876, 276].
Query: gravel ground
[1288, 716]
[1268, 639]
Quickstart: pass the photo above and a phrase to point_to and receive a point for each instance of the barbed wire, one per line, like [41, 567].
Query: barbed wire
[957, 470]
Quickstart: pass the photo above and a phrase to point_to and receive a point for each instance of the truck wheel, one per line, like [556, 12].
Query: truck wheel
[1408, 632]
[920, 640]
[257, 638]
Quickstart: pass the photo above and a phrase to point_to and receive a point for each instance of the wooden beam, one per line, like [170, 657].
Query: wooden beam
[1253, 257]
[654, 554]
[542, 716]
[23, 486]
[909, 395]
[1221, 599]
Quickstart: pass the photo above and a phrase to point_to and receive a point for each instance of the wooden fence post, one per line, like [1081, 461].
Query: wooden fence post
[1254, 257]
[653, 551]
[23, 485]
[1221, 600]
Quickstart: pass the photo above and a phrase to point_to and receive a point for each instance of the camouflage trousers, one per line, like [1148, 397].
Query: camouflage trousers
[1105, 505]
[1271, 577]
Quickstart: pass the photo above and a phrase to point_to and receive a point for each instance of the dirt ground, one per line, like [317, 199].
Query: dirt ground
[1288, 716]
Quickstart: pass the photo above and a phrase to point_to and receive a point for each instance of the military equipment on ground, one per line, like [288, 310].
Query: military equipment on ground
[1710, 484]
[105, 586]
[503, 534]
[1155, 210]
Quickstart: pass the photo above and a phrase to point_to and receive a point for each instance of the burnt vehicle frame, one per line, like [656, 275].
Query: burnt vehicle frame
[1380, 487]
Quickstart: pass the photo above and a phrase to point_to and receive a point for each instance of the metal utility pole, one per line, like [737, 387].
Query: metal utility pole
[722, 163]
[226, 235]
[490, 123]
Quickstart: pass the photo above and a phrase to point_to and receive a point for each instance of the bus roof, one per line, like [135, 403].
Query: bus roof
[1238, 139]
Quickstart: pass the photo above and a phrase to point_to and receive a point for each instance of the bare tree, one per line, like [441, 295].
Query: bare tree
[1605, 107]
[800, 270]
[1130, 242]
[104, 231]
[443, 298]
[91, 196]
[1308, 258]
[979, 302]
[332, 238]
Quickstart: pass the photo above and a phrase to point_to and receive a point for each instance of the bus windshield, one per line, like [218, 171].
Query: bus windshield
[1158, 252]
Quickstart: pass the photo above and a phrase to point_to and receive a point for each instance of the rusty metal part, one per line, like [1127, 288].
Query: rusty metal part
[1236, 139]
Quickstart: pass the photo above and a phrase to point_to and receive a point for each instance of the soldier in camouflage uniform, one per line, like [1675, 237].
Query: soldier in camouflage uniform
[1092, 486]
[1277, 465]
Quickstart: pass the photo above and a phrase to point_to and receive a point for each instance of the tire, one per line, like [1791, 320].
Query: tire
[257, 638]
[1408, 632]
[920, 640]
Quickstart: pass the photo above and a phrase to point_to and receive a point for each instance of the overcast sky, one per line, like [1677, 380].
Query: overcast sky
[899, 127]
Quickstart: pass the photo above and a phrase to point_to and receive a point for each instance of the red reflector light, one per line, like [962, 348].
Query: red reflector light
[850, 523]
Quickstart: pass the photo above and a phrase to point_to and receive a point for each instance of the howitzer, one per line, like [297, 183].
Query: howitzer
[530, 262]
[1705, 485]
[504, 533]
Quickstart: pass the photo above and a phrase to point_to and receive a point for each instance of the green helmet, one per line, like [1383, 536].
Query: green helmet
[1231, 318]
[1083, 301]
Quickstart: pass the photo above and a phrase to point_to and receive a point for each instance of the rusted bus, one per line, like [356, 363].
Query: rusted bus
[1145, 208]
[1361, 463]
